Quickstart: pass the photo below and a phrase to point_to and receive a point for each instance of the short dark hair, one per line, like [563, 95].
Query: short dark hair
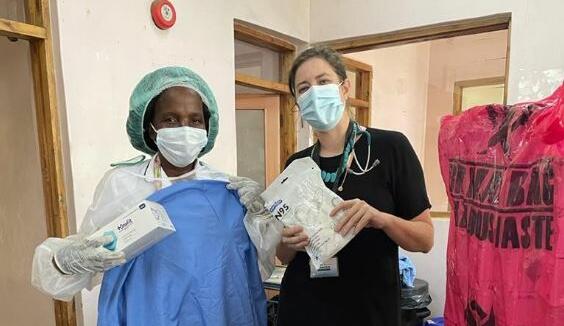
[331, 56]
[150, 113]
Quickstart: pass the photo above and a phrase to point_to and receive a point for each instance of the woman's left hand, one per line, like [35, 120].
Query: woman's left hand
[358, 215]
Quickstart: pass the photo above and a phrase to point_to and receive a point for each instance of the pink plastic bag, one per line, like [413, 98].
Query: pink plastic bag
[503, 167]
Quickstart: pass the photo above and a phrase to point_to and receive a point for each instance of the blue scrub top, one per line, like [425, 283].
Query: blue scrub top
[206, 273]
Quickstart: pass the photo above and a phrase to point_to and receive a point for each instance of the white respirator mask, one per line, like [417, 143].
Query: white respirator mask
[181, 145]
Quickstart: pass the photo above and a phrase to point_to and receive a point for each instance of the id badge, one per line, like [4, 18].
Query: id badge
[329, 269]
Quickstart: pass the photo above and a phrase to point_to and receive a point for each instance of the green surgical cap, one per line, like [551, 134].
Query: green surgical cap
[155, 83]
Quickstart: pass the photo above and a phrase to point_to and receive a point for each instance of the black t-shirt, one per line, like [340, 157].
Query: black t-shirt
[367, 291]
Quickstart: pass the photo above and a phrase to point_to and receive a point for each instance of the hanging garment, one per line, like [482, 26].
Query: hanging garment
[503, 167]
[204, 274]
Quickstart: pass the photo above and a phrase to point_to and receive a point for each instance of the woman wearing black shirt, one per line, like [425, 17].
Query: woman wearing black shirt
[380, 178]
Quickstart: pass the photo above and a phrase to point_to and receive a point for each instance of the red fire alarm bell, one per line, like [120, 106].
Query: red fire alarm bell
[163, 14]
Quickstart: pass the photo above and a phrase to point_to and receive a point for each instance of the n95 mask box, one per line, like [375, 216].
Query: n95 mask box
[137, 229]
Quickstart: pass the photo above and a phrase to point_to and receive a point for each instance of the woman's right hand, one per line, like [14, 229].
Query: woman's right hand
[293, 237]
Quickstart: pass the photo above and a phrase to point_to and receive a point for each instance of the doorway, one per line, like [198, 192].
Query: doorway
[416, 84]
[33, 200]
[22, 209]
[263, 112]
[418, 74]
[262, 64]
[470, 93]
[258, 137]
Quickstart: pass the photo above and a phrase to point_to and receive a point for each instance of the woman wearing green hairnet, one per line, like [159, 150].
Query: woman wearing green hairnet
[206, 273]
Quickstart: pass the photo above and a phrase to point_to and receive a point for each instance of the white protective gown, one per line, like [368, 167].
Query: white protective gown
[120, 189]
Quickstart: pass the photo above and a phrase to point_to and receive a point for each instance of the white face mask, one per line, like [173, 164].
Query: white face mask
[181, 145]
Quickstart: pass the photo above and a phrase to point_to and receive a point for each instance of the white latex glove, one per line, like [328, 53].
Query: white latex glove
[87, 256]
[249, 193]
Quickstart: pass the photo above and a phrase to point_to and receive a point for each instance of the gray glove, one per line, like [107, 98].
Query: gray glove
[249, 193]
[87, 256]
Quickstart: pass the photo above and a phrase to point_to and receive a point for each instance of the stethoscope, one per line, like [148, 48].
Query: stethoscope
[362, 169]
[367, 166]
[345, 167]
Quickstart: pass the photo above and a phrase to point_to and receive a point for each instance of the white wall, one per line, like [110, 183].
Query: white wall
[399, 89]
[537, 57]
[107, 46]
[432, 266]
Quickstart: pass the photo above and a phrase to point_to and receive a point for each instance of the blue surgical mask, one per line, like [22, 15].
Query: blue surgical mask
[321, 106]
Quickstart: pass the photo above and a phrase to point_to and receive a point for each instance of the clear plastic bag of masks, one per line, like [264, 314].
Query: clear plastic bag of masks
[299, 197]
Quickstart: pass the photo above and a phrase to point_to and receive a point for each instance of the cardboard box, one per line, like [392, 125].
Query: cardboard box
[137, 229]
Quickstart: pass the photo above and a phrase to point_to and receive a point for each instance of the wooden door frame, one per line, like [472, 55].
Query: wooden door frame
[287, 51]
[37, 30]
[459, 85]
[270, 104]
[448, 29]
[431, 32]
